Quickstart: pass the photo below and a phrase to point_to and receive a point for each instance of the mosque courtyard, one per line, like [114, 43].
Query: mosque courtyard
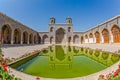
[60, 53]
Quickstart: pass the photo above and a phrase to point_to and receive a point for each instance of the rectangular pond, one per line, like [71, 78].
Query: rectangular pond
[66, 62]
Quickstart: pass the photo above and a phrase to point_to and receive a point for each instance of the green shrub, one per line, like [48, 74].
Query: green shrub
[75, 50]
[115, 57]
[69, 48]
[82, 48]
[97, 53]
[90, 52]
[105, 55]
[86, 50]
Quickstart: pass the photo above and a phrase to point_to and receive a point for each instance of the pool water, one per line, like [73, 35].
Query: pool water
[61, 62]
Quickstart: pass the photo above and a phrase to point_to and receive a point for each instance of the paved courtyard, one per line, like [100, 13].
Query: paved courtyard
[14, 52]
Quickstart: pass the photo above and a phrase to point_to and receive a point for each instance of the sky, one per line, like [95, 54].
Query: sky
[36, 14]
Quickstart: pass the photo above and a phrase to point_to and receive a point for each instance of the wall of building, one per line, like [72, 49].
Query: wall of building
[107, 32]
[64, 28]
[14, 32]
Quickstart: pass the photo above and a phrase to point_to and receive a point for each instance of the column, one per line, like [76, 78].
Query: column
[21, 41]
[37, 40]
[32, 40]
[94, 41]
[12, 34]
[28, 39]
[101, 39]
[111, 38]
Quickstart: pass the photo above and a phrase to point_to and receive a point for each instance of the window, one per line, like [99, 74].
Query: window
[51, 29]
[69, 29]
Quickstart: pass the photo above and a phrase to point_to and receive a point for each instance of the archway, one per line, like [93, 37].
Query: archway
[17, 36]
[97, 36]
[60, 35]
[35, 39]
[69, 29]
[86, 39]
[69, 40]
[91, 40]
[105, 34]
[76, 39]
[51, 29]
[25, 37]
[116, 33]
[45, 39]
[51, 40]
[31, 38]
[82, 40]
[39, 39]
[6, 34]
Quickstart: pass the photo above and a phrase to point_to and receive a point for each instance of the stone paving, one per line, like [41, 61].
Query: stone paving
[14, 52]
[18, 51]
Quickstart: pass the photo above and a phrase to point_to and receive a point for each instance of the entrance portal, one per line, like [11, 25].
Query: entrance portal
[60, 35]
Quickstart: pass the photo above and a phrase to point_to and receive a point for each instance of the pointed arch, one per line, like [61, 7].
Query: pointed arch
[105, 35]
[97, 36]
[75, 39]
[51, 29]
[25, 37]
[31, 38]
[82, 39]
[69, 29]
[6, 34]
[17, 36]
[39, 39]
[45, 39]
[35, 39]
[91, 39]
[59, 35]
[86, 38]
[116, 33]
[90, 35]
[51, 39]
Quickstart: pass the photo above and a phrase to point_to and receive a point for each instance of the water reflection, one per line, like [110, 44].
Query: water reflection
[65, 54]
[67, 62]
[61, 55]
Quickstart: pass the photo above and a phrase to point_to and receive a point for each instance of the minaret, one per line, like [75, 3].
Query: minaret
[69, 20]
[52, 20]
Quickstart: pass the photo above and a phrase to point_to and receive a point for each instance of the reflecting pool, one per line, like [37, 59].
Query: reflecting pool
[65, 62]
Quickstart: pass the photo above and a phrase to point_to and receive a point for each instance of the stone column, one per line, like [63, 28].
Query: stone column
[111, 38]
[12, 34]
[36, 40]
[94, 39]
[28, 39]
[32, 40]
[101, 38]
[21, 41]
